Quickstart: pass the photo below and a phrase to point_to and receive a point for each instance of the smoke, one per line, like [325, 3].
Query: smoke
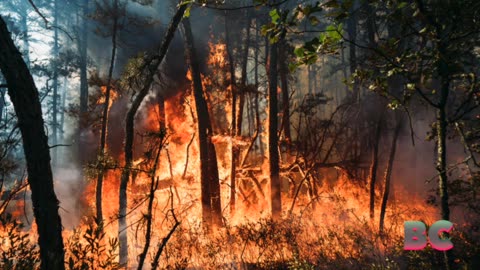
[69, 189]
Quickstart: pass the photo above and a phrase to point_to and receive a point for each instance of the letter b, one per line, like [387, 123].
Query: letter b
[415, 235]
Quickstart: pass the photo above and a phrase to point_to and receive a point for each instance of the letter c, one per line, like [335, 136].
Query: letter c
[435, 232]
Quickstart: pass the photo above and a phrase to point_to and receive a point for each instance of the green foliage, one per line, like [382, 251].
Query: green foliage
[284, 22]
[132, 72]
[101, 163]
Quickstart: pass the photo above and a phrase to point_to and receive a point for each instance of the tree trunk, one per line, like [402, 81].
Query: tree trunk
[149, 214]
[285, 95]
[106, 106]
[388, 172]
[62, 111]
[234, 127]
[442, 161]
[243, 83]
[82, 45]
[352, 36]
[374, 165]
[257, 105]
[55, 84]
[26, 41]
[274, 159]
[24, 96]
[210, 185]
[130, 132]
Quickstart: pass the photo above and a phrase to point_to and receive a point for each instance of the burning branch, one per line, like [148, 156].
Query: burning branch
[162, 245]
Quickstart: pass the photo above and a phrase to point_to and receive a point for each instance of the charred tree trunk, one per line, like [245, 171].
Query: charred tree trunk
[241, 103]
[234, 127]
[149, 215]
[161, 111]
[210, 185]
[352, 36]
[274, 159]
[130, 132]
[257, 105]
[62, 112]
[285, 95]
[55, 84]
[106, 106]
[83, 43]
[388, 172]
[24, 96]
[441, 167]
[374, 165]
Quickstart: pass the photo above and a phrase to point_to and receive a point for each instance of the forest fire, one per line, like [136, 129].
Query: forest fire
[288, 137]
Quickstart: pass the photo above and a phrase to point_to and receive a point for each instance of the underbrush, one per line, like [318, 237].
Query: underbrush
[301, 241]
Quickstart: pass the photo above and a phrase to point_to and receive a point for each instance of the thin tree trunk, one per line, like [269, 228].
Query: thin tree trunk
[24, 96]
[374, 165]
[234, 128]
[2, 104]
[243, 83]
[26, 41]
[285, 95]
[55, 84]
[388, 172]
[130, 132]
[442, 161]
[352, 36]
[149, 215]
[106, 106]
[257, 105]
[83, 43]
[274, 159]
[210, 185]
[62, 111]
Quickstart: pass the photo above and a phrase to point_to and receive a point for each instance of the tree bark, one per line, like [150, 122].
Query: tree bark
[388, 172]
[374, 165]
[274, 159]
[243, 83]
[106, 106]
[234, 128]
[149, 215]
[130, 132]
[285, 95]
[24, 96]
[55, 84]
[352, 36]
[82, 45]
[26, 42]
[210, 185]
[257, 94]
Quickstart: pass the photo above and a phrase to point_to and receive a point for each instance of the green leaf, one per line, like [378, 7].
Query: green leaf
[402, 5]
[274, 15]
[299, 52]
[187, 12]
